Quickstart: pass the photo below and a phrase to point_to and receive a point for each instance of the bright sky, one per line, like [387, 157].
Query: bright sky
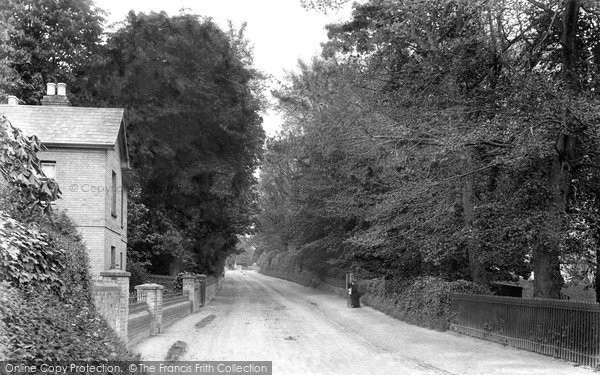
[281, 30]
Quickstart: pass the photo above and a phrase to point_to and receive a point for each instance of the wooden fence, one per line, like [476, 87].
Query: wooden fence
[558, 328]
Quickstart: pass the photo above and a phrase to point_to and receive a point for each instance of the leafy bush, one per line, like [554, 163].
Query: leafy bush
[29, 257]
[423, 301]
[20, 166]
[139, 274]
[43, 324]
[178, 282]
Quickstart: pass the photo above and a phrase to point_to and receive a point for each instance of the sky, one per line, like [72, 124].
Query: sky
[281, 31]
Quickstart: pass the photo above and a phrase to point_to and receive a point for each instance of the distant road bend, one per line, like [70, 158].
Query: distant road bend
[303, 331]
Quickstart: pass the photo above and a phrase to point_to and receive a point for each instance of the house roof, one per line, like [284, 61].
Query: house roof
[67, 126]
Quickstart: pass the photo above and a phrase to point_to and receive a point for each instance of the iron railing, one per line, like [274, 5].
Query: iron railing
[135, 298]
[137, 303]
[558, 328]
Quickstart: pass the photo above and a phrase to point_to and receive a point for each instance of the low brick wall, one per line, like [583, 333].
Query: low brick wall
[151, 313]
[213, 286]
[176, 311]
[138, 327]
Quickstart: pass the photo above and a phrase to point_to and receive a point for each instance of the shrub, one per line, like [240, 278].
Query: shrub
[43, 324]
[42, 327]
[139, 274]
[178, 282]
[29, 257]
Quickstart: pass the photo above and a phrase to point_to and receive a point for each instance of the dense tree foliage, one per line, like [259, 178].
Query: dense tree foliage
[446, 138]
[194, 132]
[46, 41]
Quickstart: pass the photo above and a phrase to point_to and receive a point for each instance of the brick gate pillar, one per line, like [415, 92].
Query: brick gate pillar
[152, 294]
[192, 287]
[121, 279]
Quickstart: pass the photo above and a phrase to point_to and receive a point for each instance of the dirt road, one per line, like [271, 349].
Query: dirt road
[304, 331]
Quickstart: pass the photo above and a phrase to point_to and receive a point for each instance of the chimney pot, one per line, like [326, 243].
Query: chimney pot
[50, 89]
[61, 89]
[13, 100]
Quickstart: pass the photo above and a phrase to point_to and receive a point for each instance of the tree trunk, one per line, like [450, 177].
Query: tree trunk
[597, 273]
[476, 265]
[546, 263]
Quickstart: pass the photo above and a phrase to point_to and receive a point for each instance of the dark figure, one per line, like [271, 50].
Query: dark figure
[353, 297]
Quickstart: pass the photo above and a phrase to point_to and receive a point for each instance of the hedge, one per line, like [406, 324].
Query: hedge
[46, 324]
[423, 301]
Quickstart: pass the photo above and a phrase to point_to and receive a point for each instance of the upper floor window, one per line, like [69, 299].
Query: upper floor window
[122, 207]
[49, 168]
[113, 190]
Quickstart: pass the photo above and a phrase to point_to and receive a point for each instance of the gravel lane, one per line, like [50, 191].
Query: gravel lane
[304, 331]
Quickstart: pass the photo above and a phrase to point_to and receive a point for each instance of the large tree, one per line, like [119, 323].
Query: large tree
[442, 133]
[46, 41]
[194, 131]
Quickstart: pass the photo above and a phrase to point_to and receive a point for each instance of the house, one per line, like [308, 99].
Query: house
[86, 152]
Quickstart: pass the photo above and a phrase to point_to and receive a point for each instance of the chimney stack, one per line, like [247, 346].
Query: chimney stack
[13, 100]
[50, 89]
[54, 98]
[61, 89]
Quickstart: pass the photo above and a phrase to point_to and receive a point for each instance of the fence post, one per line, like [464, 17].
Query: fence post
[121, 279]
[152, 294]
[202, 279]
[191, 286]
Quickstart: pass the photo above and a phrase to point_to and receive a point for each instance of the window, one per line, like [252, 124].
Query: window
[113, 190]
[122, 207]
[49, 168]
[121, 260]
[112, 257]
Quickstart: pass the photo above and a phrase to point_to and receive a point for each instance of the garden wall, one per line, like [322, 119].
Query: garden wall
[176, 310]
[149, 310]
[213, 285]
[138, 327]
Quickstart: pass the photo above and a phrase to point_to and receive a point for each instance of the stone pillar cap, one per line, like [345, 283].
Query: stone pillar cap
[149, 287]
[189, 277]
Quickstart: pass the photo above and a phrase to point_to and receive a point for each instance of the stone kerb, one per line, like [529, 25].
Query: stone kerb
[192, 286]
[121, 280]
[152, 294]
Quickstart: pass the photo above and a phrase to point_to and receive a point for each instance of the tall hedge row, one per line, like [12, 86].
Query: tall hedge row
[40, 323]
